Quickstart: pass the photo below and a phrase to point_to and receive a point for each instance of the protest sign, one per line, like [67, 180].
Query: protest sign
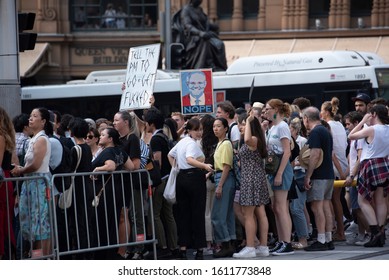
[140, 77]
[196, 91]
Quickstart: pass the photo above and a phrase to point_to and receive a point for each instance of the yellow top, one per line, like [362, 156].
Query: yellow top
[223, 155]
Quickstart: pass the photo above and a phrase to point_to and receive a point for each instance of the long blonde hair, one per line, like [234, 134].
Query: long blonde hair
[7, 130]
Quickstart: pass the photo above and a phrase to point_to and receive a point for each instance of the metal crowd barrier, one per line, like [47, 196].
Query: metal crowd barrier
[84, 231]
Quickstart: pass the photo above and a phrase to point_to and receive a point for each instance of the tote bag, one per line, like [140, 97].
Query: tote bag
[170, 190]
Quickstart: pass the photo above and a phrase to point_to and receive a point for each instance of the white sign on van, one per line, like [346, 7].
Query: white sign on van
[140, 77]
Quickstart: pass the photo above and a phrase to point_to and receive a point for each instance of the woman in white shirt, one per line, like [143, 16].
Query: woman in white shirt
[190, 188]
[278, 142]
[35, 194]
[373, 183]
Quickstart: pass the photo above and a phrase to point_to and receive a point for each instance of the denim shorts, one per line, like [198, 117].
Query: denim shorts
[287, 177]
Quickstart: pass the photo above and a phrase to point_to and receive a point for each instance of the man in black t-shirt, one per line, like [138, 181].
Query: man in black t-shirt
[163, 211]
[319, 181]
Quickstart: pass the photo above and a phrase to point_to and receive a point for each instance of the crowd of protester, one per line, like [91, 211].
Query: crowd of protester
[228, 203]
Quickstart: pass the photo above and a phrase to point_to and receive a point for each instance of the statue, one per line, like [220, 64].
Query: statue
[203, 48]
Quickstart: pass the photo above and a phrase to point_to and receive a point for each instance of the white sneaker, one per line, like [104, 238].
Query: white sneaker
[353, 228]
[363, 241]
[352, 238]
[262, 251]
[206, 252]
[246, 252]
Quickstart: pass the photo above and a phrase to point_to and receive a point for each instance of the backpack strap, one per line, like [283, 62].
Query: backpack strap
[230, 129]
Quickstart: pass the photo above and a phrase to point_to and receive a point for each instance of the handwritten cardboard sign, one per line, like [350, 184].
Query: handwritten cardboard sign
[140, 77]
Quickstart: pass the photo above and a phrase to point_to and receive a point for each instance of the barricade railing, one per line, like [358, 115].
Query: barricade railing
[89, 231]
[84, 230]
[29, 218]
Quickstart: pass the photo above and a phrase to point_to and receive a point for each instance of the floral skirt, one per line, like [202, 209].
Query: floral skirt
[34, 209]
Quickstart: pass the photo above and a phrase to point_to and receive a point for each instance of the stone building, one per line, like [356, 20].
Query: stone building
[76, 37]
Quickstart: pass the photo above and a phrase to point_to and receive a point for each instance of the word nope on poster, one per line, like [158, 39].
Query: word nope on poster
[140, 77]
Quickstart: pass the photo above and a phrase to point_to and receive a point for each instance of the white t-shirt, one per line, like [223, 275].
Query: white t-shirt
[274, 136]
[355, 145]
[235, 133]
[379, 147]
[339, 137]
[301, 141]
[186, 147]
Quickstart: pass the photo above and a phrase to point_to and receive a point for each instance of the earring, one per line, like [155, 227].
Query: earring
[274, 116]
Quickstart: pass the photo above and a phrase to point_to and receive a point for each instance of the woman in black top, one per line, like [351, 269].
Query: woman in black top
[82, 187]
[111, 205]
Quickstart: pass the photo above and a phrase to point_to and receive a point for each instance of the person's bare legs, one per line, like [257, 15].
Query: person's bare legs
[124, 231]
[281, 212]
[263, 224]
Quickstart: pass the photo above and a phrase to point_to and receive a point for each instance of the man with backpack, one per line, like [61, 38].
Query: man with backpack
[159, 149]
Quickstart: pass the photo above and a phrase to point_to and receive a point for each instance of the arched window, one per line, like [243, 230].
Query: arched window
[319, 8]
[361, 7]
[250, 8]
[224, 8]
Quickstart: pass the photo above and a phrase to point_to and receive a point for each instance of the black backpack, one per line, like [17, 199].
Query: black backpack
[63, 167]
[170, 143]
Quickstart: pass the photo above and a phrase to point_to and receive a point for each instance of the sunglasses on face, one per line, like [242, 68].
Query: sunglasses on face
[90, 137]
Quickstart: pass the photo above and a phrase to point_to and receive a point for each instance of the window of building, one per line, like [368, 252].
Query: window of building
[224, 8]
[250, 8]
[319, 8]
[361, 7]
[109, 15]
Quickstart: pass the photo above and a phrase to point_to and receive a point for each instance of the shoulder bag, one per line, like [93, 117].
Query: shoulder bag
[65, 199]
[170, 190]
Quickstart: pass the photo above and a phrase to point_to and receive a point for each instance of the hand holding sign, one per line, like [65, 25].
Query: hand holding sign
[140, 78]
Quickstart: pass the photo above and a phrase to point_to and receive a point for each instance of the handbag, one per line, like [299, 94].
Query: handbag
[65, 199]
[170, 190]
[272, 163]
[96, 200]
[154, 170]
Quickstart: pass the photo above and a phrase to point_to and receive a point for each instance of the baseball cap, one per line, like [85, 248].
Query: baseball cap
[362, 97]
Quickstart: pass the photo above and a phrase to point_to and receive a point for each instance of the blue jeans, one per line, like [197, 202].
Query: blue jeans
[222, 216]
[297, 207]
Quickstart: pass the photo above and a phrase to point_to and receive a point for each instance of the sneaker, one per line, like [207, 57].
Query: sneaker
[276, 247]
[206, 252]
[363, 241]
[285, 249]
[137, 256]
[246, 252]
[353, 228]
[316, 246]
[351, 239]
[262, 251]
[199, 255]
[330, 245]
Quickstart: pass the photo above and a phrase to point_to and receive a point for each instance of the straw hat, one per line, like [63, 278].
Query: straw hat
[304, 155]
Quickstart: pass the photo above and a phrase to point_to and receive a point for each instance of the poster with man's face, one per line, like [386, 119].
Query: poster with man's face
[196, 92]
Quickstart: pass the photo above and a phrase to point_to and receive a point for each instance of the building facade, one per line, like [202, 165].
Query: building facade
[76, 37]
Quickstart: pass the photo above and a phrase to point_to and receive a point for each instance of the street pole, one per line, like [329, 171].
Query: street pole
[9, 59]
[168, 34]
